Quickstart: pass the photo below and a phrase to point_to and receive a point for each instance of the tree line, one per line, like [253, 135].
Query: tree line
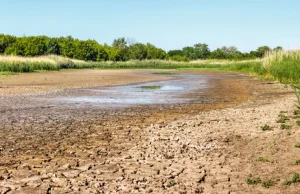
[120, 50]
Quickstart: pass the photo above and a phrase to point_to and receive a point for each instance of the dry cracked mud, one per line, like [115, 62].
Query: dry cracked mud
[209, 145]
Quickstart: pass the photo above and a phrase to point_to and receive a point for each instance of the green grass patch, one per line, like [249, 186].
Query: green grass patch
[297, 145]
[250, 67]
[262, 159]
[297, 162]
[298, 122]
[284, 126]
[267, 184]
[266, 127]
[151, 87]
[253, 180]
[165, 73]
[171, 184]
[297, 112]
[295, 179]
[6, 73]
[282, 119]
[201, 69]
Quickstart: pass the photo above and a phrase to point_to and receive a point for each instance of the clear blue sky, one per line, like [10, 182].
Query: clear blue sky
[168, 24]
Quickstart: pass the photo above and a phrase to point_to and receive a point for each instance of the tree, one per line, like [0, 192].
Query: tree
[53, 47]
[189, 52]
[154, 53]
[17, 48]
[102, 54]
[67, 47]
[201, 51]
[278, 48]
[5, 41]
[120, 43]
[138, 51]
[86, 50]
[175, 52]
[261, 51]
[218, 54]
[35, 45]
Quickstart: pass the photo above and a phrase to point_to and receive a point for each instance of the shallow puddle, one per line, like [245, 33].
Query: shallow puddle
[161, 92]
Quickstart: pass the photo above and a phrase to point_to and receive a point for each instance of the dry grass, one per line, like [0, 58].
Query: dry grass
[279, 56]
[223, 61]
[52, 59]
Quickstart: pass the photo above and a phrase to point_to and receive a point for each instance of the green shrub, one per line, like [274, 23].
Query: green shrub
[267, 184]
[171, 184]
[284, 126]
[253, 181]
[297, 145]
[266, 128]
[295, 179]
[262, 159]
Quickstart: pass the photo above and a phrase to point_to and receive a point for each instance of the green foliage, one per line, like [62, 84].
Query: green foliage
[138, 51]
[86, 50]
[171, 184]
[24, 67]
[5, 41]
[150, 87]
[172, 53]
[120, 50]
[267, 184]
[282, 118]
[155, 53]
[262, 159]
[297, 162]
[165, 73]
[296, 88]
[120, 43]
[261, 51]
[250, 67]
[284, 126]
[53, 47]
[278, 48]
[179, 58]
[295, 179]
[253, 180]
[297, 145]
[286, 70]
[266, 128]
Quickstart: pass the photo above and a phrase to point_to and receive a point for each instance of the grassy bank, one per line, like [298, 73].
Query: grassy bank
[283, 66]
[52, 63]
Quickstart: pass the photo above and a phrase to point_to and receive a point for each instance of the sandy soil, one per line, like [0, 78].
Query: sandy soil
[202, 147]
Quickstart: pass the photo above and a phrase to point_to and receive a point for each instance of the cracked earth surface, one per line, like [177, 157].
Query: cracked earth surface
[205, 146]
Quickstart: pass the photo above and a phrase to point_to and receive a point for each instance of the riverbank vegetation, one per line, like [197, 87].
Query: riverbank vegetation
[121, 49]
[42, 53]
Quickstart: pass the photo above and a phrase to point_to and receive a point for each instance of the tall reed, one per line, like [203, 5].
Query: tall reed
[283, 65]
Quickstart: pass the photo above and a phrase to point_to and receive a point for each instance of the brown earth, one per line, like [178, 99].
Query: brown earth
[206, 146]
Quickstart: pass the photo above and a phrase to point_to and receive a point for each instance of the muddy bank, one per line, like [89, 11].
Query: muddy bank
[203, 146]
[32, 83]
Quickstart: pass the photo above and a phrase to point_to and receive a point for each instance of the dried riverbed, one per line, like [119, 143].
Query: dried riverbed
[90, 132]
